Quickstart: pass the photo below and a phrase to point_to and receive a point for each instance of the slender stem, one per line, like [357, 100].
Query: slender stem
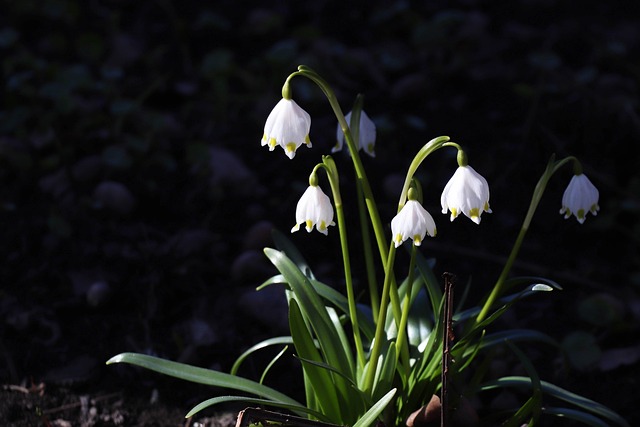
[421, 155]
[376, 222]
[355, 156]
[354, 125]
[332, 173]
[498, 288]
[406, 307]
[368, 255]
[380, 325]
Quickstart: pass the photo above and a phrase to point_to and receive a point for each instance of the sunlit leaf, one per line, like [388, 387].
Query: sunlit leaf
[202, 376]
[300, 410]
[372, 414]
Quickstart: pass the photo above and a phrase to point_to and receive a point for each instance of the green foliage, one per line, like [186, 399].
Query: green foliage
[385, 361]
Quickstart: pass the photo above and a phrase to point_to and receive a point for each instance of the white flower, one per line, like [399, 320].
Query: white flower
[366, 137]
[468, 192]
[413, 221]
[580, 197]
[288, 125]
[314, 208]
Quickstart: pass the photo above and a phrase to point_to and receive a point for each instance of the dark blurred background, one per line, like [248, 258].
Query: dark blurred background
[135, 198]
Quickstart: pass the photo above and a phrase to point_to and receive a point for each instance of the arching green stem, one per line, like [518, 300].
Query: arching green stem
[380, 326]
[332, 174]
[428, 148]
[374, 215]
[406, 306]
[498, 288]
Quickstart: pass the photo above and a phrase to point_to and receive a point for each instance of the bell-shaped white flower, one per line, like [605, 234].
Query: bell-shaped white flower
[288, 126]
[366, 135]
[580, 197]
[314, 208]
[413, 221]
[468, 192]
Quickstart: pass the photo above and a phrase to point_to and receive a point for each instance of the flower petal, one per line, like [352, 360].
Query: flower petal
[468, 192]
[288, 126]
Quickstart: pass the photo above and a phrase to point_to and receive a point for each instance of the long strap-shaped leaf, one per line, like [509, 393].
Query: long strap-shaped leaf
[223, 399]
[313, 308]
[203, 376]
[259, 346]
[370, 416]
[560, 393]
[321, 379]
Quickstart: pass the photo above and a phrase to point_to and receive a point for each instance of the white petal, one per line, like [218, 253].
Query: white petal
[366, 138]
[412, 221]
[314, 209]
[580, 197]
[288, 126]
[468, 192]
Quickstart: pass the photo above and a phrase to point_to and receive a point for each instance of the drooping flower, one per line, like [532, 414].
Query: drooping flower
[468, 192]
[413, 221]
[580, 197]
[314, 208]
[288, 126]
[366, 136]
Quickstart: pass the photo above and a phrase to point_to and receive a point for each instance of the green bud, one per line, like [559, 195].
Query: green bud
[313, 179]
[462, 158]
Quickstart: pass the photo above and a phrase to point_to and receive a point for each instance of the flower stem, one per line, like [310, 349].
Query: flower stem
[368, 255]
[498, 288]
[380, 325]
[428, 148]
[406, 306]
[332, 173]
[376, 222]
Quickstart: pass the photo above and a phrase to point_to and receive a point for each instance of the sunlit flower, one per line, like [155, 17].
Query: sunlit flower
[468, 192]
[314, 208]
[413, 221]
[288, 126]
[366, 137]
[580, 197]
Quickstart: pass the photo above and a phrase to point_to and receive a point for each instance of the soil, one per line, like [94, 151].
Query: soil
[135, 198]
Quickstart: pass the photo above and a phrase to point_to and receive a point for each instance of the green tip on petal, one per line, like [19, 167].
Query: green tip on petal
[417, 240]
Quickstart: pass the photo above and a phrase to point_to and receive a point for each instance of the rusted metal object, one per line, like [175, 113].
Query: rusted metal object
[255, 417]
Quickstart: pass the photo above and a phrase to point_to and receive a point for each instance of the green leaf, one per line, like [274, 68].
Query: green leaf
[535, 403]
[430, 281]
[372, 414]
[366, 325]
[202, 376]
[515, 335]
[335, 298]
[261, 345]
[313, 309]
[559, 393]
[574, 414]
[386, 372]
[531, 280]
[273, 361]
[286, 246]
[298, 409]
[319, 378]
[419, 323]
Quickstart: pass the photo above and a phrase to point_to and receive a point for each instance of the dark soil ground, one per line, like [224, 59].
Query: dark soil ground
[135, 198]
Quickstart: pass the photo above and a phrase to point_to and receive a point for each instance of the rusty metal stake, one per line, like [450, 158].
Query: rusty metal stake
[255, 417]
